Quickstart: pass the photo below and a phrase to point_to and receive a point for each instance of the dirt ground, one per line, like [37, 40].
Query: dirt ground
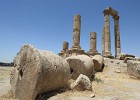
[5, 79]
[113, 83]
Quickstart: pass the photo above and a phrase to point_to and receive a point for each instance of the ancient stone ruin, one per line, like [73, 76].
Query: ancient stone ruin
[93, 43]
[38, 71]
[106, 42]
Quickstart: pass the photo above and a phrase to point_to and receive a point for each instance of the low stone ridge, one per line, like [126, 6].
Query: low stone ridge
[82, 83]
[80, 64]
[37, 71]
[122, 56]
[98, 61]
[133, 68]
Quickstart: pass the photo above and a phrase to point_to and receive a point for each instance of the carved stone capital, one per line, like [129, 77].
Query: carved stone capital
[106, 12]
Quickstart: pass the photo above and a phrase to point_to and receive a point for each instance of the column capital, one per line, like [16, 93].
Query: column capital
[106, 12]
[116, 17]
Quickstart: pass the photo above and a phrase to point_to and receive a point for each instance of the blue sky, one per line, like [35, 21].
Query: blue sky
[47, 23]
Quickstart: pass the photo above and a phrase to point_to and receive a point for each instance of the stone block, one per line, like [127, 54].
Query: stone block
[98, 61]
[36, 72]
[133, 68]
[82, 83]
[80, 64]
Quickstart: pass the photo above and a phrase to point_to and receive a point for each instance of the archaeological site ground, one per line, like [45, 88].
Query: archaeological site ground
[74, 74]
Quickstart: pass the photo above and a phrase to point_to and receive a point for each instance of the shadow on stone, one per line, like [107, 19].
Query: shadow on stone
[102, 68]
[47, 95]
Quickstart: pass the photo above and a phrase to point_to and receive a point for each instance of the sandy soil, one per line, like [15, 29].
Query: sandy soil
[113, 83]
[4, 79]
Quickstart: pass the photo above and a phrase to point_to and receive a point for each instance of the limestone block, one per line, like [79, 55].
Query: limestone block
[133, 68]
[128, 58]
[80, 64]
[36, 72]
[98, 61]
[82, 83]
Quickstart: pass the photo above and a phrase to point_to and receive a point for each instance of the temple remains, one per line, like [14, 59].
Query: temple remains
[106, 42]
[37, 73]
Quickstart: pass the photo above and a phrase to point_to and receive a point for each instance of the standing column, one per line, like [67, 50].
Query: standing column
[76, 32]
[117, 36]
[103, 42]
[93, 42]
[107, 34]
[64, 51]
[65, 46]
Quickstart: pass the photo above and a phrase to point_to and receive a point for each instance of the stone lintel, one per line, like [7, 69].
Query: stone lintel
[110, 11]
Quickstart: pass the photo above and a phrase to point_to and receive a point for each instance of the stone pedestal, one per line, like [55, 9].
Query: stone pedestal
[76, 52]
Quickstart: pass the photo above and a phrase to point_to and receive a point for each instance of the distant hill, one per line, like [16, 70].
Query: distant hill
[6, 64]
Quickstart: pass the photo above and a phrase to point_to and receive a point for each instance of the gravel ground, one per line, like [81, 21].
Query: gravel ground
[5, 79]
[113, 83]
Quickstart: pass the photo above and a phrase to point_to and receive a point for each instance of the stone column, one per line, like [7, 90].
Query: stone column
[107, 34]
[65, 50]
[76, 32]
[93, 42]
[103, 42]
[117, 36]
[65, 46]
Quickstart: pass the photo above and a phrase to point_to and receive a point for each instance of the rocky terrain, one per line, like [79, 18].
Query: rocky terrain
[74, 74]
[114, 83]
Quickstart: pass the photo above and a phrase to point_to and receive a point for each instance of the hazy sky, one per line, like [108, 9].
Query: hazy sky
[47, 23]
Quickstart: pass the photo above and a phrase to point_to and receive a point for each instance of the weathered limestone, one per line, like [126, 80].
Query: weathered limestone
[64, 52]
[122, 56]
[76, 32]
[82, 83]
[117, 36]
[76, 48]
[128, 58]
[93, 42]
[98, 61]
[106, 43]
[133, 68]
[80, 64]
[107, 34]
[65, 46]
[37, 71]
[103, 41]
